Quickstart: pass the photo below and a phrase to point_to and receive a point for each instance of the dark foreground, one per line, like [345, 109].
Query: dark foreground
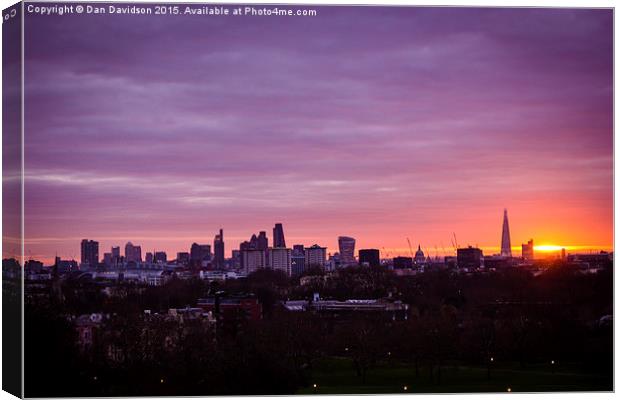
[337, 376]
[483, 332]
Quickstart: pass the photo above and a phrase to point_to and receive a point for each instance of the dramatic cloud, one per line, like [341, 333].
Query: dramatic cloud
[378, 123]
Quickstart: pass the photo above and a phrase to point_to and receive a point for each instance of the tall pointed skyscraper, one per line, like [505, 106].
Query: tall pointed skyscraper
[506, 251]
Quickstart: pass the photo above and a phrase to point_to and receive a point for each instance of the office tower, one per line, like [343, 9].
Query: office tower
[133, 253]
[90, 253]
[148, 258]
[469, 257]
[298, 260]
[278, 236]
[218, 249]
[116, 255]
[107, 259]
[506, 250]
[182, 258]
[402, 262]
[369, 257]
[280, 259]
[346, 247]
[527, 250]
[253, 259]
[236, 259]
[316, 255]
[160, 257]
[200, 253]
[262, 242]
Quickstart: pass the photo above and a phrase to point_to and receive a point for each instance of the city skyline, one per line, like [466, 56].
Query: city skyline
[384, 253]
[332, 125]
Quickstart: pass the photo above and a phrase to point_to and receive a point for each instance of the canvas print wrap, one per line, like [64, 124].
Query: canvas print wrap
[250, 199]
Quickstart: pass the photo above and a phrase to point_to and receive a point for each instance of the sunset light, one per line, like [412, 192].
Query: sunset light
[549, 247]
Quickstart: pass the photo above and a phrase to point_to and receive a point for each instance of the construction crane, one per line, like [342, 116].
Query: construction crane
[387, 253]
[410, 248]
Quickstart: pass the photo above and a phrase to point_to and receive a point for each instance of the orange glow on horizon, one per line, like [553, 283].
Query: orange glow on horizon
[551, 248]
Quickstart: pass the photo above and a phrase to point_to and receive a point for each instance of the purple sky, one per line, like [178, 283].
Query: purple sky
[377, 123]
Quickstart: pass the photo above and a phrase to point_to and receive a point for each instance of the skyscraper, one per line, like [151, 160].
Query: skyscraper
[116, 255]
[218, 249]
[315, 255]
[253, 260]
[527, 250]
[133, 253]
[346, 247]
[200, 253]
[160, 257]
[506, 250]
[298, 260]
[90, 253]
[278, 236]
[280, 259]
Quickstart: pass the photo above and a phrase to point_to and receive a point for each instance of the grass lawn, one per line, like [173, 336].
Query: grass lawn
[337, 376]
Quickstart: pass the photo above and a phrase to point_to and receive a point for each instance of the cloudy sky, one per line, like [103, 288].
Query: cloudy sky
[376, 123]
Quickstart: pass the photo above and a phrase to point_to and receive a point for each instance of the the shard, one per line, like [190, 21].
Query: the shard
[506, 251]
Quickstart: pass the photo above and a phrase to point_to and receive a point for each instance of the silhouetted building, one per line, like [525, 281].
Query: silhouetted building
[315, 255]
[260, 242]
[506, 249]
[200, 253]
[90, 253]
[160, 257]
[236, 259]
[232, 306]
[218, 249]
[298, 260]
[369, 257]
[33, 266]
[133, 253]
[469, 257]
[253, 260]
[403, 262]
[346, 248]
[278, 236]
[148, 257]
[116, 255]
[107, 259]
[342, 310]
[280, 259]
[183, 258]
[527, 251]
[63, 266]
[419, 257]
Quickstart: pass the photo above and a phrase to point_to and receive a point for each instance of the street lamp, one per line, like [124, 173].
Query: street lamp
[509, 390]
[405, 388]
